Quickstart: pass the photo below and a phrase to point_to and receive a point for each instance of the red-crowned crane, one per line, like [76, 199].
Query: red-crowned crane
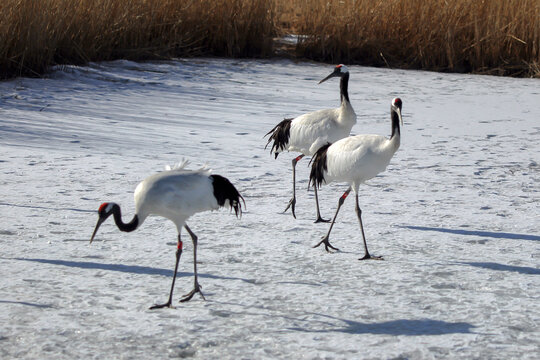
[308, 132]
[354, 160]
[176, 194]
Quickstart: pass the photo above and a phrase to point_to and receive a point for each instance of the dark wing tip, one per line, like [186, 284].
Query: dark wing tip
[318, 166]
[280, 134]
[224, 191]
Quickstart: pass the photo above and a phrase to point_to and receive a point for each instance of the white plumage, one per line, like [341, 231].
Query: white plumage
[176, 194]
[354, 160]
[312, 130]
[308, 132]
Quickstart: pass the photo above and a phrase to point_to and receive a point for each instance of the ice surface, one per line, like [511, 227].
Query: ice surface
[456, 217]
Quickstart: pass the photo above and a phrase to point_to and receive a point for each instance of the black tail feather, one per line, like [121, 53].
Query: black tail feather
[224, 190]
[318, 166]
[280, 134]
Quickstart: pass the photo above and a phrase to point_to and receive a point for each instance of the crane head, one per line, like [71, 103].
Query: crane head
[396, 107]
[339, 71]
[105, 210]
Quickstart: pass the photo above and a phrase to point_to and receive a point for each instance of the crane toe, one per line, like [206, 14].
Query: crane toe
[292, 204]
[371, 257]
[327, 245]
[159, 306]
[321, 220]
[189, 295]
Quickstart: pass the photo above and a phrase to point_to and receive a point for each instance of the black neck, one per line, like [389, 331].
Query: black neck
[130, 226]
[395, 124]
[344, 86]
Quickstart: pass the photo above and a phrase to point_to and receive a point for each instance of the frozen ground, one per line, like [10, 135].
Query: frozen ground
[456, 217]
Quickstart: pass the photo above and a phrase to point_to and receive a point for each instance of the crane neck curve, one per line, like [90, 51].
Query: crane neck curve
[127, 227]
[344, 88]
[395, 125]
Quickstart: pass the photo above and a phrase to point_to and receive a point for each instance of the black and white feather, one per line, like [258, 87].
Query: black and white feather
[280, 134]
[319, 165]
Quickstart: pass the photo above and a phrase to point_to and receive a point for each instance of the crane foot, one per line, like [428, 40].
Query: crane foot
[327, 245]
[188, 296]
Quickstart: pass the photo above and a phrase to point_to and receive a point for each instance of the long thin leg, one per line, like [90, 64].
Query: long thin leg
[292, 202]
[319, 218]
[325, 239]
[196, 287]
[359, 214]
[178, 254]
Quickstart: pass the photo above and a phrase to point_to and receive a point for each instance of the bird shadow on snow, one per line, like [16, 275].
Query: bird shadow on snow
[42, 306]
[312, 323]
[395, 327]
[134, 269]
[497, 235]
[502, 267]
[47, 208]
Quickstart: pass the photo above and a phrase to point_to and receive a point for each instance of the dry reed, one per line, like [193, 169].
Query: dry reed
[490, 36]
[486, 36]
[35, 34]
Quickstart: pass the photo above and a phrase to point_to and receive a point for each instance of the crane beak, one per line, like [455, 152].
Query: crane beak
[100, 221]
[334, 74]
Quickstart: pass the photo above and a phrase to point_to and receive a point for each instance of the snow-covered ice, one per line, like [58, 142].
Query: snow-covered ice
[456, 217]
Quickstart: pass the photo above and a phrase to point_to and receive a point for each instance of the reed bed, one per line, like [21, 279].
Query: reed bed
[35, 34]
[486, 36]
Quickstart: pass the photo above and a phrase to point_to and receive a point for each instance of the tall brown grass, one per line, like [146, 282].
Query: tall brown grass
[35, 34]
[490, 36]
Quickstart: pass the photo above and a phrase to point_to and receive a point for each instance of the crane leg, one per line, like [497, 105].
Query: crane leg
[196, 286]
[292, 202]
[325, 239]
[319, 218]
[178, 254]
[366, 255]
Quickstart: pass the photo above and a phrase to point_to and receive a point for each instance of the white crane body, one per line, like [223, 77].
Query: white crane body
[359, 158]
[175, 194]
[308, 132]
[312, 130]
[354, 160]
